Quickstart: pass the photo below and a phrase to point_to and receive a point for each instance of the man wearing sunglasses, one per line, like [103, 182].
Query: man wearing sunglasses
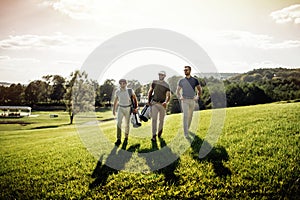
[188, 96]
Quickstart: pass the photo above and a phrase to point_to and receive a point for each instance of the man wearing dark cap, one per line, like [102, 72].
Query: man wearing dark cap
[158, 98]
[123, 102]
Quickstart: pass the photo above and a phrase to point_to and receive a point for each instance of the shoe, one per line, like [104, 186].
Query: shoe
[118, 142]
[153, 139]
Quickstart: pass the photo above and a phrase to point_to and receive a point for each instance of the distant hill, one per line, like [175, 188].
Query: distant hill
[5, 84]
[265, 74]
[222, 76]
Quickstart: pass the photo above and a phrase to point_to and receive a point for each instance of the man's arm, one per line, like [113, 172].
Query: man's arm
[199, 90]
[115, 105]
[150, 95]
[135, 103]
[179, 96]
[199, 93]
[168, 95]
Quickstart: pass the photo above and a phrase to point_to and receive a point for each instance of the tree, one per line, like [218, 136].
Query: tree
[80, 95]
[56, 87]
[15, 94]
[173, 81]
[106, 90]
[136, 86]
[36, 92]
[174, 105]
[235, 95]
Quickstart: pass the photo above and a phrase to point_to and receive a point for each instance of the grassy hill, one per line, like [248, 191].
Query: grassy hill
[264, 74]
[257, 156]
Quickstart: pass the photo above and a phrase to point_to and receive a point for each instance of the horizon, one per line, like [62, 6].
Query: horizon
[8, 83]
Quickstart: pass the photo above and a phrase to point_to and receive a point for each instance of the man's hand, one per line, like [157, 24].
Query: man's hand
[164, 104]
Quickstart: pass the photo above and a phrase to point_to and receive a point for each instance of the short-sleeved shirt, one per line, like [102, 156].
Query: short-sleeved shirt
[160, 88]
[188, 87]
[123, 96]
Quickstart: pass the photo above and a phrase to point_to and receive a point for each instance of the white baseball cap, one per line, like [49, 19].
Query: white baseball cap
[162, 72]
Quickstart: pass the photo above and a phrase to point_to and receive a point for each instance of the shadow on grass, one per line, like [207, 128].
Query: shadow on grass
[50, 126]
[168, 171]
[23, 123]
[116, 157]
[153, 162]
[216, 156]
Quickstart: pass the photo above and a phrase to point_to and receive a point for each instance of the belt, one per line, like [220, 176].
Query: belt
[158, 101]
[188, 97]
[124, 106]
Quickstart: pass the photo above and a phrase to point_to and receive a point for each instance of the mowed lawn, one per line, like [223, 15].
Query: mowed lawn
[256, 157]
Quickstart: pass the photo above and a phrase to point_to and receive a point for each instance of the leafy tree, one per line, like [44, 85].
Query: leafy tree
[97, 93]
[36, 92]
[173, 81]
[174, 105]
[3, 96]
[56, 87]
[15, 94]
[106, 90]
[234, 95]
[136, 86]
[80, 95]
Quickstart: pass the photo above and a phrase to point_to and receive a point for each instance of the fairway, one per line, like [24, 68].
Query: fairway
[256, 157]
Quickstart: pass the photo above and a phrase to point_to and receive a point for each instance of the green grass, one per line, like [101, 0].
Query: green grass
[256, 157]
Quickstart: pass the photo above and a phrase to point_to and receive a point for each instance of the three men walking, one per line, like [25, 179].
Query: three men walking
[188, 92]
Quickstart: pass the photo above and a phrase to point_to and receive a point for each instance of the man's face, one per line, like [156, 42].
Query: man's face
[187, 71]
[123, 84]
[161, 77]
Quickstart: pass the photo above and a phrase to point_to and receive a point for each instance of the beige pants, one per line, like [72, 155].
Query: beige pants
[123, 112]
[187, 106]
[157, 112]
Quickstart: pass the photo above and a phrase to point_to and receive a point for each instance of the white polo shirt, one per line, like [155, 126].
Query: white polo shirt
[123, 96]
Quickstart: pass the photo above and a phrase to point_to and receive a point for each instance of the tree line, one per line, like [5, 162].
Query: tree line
[55, 92]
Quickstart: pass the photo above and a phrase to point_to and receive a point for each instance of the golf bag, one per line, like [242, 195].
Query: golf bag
[134, 116]
[146, 113]
[135, 120]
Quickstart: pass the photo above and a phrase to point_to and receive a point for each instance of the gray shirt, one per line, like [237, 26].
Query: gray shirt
[188, 87]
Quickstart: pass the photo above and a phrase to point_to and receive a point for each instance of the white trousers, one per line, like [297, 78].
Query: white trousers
[158, 112]
[123, 112]
[187, 106]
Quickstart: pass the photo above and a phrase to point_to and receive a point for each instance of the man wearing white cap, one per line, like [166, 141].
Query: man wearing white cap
[158, 98]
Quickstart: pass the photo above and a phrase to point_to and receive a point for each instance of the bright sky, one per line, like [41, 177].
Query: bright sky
[43, 37]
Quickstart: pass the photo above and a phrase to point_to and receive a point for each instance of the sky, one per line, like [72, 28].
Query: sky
[43, 37]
